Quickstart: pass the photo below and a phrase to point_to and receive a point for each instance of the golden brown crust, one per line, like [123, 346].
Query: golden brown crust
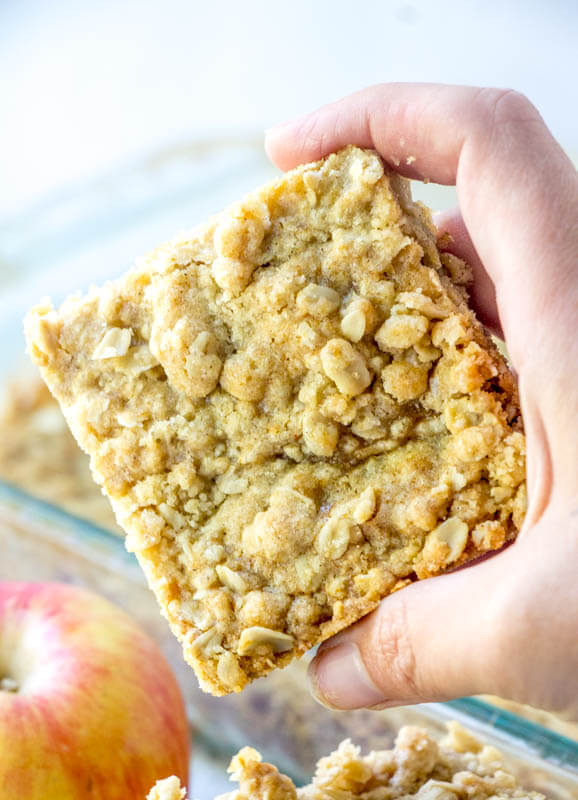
[293, 412]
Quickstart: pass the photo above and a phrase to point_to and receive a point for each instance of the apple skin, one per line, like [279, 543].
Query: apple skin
[98, 713]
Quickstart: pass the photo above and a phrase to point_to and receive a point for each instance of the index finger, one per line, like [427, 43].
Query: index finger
[419, 129]
[516, 188]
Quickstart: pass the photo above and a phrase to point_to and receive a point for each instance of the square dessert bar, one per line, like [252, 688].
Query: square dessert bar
[293, 412]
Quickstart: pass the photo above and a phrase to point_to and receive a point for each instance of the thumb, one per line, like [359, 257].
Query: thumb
[432, 641]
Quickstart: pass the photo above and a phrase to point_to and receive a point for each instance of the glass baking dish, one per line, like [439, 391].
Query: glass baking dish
[276, 714]
[92, 234]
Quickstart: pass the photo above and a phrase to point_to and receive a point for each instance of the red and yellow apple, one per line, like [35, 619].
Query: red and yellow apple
[89, 707]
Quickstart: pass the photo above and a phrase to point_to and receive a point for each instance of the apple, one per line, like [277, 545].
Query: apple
[89, 707]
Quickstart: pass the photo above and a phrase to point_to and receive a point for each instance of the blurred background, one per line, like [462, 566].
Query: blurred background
[123, 117]
[87, 86]
[124, 121]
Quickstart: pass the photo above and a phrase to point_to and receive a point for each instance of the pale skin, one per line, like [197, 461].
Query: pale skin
[508, 625]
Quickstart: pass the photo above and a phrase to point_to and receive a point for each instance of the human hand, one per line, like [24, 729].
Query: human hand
[508, 625]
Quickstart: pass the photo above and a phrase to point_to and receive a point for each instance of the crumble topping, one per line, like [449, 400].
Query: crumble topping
[294, 413]
[460, 767]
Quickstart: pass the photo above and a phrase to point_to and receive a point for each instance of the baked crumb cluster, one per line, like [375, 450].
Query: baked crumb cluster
[38, 453]
[458, 768]
[293, 412]
[167, 789]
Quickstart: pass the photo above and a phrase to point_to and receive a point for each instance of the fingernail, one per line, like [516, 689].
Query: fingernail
[338, 679]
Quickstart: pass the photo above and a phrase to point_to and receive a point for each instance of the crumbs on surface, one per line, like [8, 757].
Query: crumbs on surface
[459, 767]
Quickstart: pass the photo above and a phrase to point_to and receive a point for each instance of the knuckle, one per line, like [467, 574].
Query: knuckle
[394, 649]
[506, 106]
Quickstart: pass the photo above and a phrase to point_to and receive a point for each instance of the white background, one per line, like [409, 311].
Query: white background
[86, 85]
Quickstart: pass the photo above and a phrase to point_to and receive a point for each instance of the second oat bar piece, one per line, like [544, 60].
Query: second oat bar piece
[293, 412]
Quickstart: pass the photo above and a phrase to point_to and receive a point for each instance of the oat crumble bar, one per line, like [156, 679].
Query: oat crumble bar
[293, 412]
[458, 768]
